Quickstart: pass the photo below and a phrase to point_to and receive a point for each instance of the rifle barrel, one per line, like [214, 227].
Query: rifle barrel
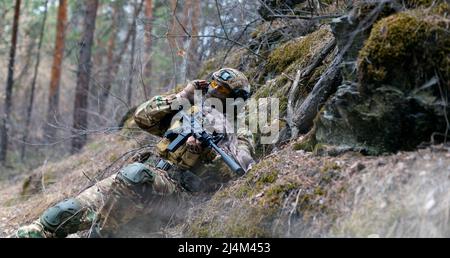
[232, 164]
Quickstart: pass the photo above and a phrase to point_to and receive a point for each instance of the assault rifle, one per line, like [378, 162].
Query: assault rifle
[192, 127]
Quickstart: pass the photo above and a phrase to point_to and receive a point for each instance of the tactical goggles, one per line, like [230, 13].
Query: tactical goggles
[219, 87]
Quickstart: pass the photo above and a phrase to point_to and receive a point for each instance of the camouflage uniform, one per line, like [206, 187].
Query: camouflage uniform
[140, 188]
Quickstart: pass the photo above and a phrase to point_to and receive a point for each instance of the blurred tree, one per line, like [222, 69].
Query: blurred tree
[110, 56]
[53, 94]
[132, 64]
[83, 76]
[172, 37]
[33, 83]
[192, 56]
[9, 86]
[116, 63]
[148, 48]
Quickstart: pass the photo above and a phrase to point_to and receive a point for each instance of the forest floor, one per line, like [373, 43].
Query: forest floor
[375, 188]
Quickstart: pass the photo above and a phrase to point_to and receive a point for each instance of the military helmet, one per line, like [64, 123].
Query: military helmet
[233, 79]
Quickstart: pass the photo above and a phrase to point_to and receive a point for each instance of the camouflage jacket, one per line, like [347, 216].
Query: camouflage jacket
[155, 116]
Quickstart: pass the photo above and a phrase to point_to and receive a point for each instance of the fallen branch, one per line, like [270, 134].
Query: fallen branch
[301, 77]
[327, 83]
[305, 114]
[318, 59]
[291, 102]
[303, 17]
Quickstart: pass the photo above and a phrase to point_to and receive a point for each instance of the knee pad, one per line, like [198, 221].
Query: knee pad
[64, 218]
[136, 174]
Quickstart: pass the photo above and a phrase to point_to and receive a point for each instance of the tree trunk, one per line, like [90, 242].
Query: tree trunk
[83, 74]
[117, 61]
[305, 114]
[53, 94]
[172, 38]
[110, 58]
[131, 73]
[193, 60]
[9, 85]
[148, 48]
[33, 83]
[97, 72]
[294, 101]
[185, 42]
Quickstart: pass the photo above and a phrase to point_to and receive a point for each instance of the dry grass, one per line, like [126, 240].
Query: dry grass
[403, 195]
[298, 194]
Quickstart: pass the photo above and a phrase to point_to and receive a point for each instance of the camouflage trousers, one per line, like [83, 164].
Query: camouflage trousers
[114, 201]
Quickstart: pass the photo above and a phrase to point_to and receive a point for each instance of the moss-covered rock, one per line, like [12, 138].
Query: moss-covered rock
[405, 50]
[403, 79]
[351, 36]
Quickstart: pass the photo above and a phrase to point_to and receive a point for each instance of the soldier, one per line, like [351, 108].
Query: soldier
[141, 187]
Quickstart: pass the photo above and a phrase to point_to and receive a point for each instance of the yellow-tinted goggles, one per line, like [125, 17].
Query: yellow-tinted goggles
[220, 88]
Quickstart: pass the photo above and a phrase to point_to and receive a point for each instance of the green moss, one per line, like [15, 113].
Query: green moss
[328, 166]
[278, 190]
[243, 191]
[319, 191]
[401, 43]
[307, 143]
[388, 109]
[442, 8]
[268, 177]
[319, 148]
[263, 92]
[298, 51]
[112, 157]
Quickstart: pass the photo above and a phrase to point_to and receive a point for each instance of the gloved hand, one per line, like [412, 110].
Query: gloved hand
[193, 145]
[188, 91]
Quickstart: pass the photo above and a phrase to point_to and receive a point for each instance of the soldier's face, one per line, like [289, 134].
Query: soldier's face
[215, 90]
